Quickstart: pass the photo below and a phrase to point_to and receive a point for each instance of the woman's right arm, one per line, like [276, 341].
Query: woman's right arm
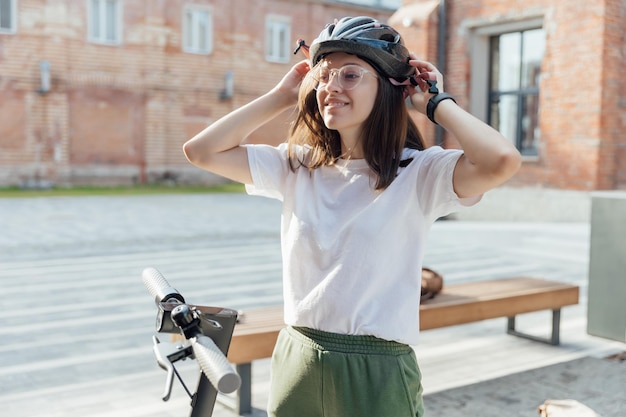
[218, 147]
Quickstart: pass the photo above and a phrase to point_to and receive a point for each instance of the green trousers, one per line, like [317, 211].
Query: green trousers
[320, 374]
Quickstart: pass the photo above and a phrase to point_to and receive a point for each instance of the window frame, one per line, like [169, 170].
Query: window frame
[273, 40]
[102, 17]
[194, 47]
[12, 29]
[480, 77]
[520, 94]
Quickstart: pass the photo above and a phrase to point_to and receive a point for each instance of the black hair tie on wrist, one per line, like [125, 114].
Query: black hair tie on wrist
[434, 102]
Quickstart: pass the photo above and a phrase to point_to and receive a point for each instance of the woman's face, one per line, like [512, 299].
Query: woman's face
[345, 107]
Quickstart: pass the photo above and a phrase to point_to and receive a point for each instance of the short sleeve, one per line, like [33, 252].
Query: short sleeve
[268, 168]
[435, 185]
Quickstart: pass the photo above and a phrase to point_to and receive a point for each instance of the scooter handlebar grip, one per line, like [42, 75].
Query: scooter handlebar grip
[158, 286]
[214, 364]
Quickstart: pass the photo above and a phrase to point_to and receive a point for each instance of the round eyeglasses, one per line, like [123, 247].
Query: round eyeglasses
[348, 76]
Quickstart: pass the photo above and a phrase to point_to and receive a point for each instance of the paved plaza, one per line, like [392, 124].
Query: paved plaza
[76, 322]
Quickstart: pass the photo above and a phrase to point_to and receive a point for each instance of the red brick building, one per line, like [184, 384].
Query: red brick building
[547, 74]
[130, 81]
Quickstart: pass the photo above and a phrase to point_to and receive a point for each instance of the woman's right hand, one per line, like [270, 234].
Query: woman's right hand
[290, 84]
[218, 147]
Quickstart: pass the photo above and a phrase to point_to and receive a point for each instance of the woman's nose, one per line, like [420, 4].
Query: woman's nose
[333, 82]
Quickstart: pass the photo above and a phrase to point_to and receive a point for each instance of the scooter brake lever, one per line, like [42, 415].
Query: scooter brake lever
[166, 354]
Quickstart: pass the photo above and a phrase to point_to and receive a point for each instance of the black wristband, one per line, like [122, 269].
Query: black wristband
[434, 102]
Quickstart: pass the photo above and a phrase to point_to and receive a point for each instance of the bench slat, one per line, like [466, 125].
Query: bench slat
[255, 335]
[250, 347]
[471, 302]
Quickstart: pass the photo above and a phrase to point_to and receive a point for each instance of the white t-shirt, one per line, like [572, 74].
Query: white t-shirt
[352, 256]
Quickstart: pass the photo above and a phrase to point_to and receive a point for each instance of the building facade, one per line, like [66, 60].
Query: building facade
[547, 74]
[107, 91]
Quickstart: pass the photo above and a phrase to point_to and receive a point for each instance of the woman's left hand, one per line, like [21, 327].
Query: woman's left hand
[424, 71]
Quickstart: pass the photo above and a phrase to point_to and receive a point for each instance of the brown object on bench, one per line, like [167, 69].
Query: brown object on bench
[254, 337]
[432, 283]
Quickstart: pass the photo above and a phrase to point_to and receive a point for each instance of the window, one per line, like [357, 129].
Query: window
[197, 29]
[277, 38]
[515, 67]
[7, 16]
[105, 21]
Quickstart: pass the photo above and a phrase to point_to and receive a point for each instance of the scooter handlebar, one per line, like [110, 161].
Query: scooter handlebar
[212, 361]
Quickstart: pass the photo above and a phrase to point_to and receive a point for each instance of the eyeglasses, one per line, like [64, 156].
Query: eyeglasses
[348, 76]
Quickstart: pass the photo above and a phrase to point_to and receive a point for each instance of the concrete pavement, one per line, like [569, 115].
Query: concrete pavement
[76, 321]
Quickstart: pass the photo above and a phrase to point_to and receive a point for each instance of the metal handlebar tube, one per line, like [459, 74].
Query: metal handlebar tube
[207, 332]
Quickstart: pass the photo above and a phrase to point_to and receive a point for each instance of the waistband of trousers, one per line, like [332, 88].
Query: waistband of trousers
[346, 343]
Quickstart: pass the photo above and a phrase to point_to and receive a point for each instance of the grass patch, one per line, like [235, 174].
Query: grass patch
[16, 192]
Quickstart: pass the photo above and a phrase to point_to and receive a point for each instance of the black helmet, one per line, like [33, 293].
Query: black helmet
[375, 42]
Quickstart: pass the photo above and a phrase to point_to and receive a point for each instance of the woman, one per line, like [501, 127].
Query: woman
[359, 194]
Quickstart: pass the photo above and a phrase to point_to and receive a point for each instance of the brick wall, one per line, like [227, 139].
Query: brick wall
[612, 166]
[120, 114]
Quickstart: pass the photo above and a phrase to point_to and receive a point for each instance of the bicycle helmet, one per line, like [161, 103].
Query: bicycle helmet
[377, 43]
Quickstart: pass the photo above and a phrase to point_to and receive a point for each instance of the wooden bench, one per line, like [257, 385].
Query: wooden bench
[254, 337]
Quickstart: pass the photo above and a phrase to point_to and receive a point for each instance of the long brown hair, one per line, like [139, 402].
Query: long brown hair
[385, 133]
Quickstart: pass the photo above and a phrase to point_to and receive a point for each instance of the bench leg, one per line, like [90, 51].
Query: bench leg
[241, 403]
[244, 394]
[553, 340]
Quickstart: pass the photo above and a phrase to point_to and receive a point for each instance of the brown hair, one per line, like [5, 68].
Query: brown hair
[385, 133]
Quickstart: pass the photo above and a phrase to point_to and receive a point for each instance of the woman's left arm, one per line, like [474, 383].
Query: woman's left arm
[489, 159]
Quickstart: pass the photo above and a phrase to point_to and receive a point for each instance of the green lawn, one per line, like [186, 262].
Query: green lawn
[15, 192]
